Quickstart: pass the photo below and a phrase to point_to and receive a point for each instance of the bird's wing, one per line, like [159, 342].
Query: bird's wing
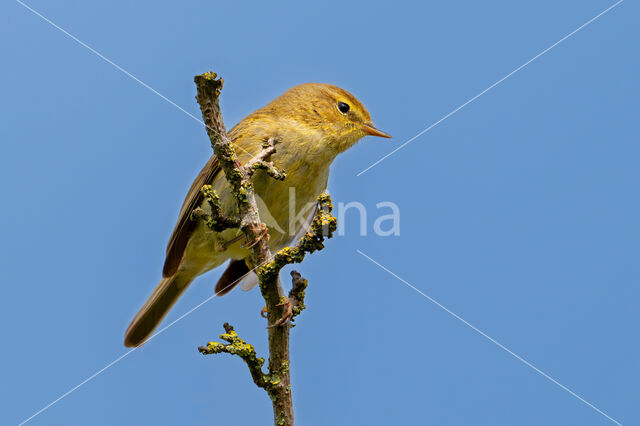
[185, 226]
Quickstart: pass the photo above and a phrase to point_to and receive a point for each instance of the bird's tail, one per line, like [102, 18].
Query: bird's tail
[155, 309]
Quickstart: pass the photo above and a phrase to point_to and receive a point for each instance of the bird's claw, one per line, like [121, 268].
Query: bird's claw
[288, 314]
[264, 233]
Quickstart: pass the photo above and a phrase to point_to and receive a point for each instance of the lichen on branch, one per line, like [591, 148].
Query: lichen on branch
[236, 346]
[280, 310]
[297, 294]
[208, 92]
[323, 226]
[217, 220]
[270, 382]
[260, 162]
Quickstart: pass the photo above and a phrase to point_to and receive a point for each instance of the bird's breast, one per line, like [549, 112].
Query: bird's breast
[284, 206]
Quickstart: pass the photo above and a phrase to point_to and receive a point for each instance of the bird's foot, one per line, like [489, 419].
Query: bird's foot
[264, 233]
[288, 314]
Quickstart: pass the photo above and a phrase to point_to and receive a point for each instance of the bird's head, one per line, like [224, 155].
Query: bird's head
[332, 117]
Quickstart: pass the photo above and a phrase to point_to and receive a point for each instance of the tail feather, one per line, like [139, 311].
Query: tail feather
[155, 309]
[236, 270]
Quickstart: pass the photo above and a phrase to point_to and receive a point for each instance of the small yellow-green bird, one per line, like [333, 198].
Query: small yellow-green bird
[312, 124]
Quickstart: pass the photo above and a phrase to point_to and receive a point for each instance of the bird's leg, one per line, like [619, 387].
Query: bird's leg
[287, 315]
[231, 241]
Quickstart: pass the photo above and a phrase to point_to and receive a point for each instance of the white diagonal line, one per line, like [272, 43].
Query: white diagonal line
[491, 339]
[109, 61]
[133, 77]
[491, 87]
[118, 67]
[121, 357]
[88, 379]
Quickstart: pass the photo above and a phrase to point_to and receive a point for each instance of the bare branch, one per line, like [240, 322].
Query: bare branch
[208, 92]
[297, 294]
[217, 220]
[237, 346]
[259, 162]
[279, 309]
[323, 226]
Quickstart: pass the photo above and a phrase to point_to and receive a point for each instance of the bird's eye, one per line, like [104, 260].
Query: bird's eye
[344, 108]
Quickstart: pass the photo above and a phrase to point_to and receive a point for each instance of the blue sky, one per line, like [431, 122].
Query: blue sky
[519, 213]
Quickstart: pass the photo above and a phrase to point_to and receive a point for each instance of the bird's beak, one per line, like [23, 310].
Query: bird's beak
[369, 129]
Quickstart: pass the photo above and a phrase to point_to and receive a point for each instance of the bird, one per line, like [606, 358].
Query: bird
[312, 123]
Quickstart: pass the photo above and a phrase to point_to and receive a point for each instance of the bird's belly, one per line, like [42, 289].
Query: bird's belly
[284, 206]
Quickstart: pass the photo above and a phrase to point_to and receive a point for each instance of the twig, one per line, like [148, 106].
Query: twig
[297, 294]
[208, 92]
[259, 162]
[239, 347]
[278, 380]
[323, 226]
[270, 382]
[217, 220]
